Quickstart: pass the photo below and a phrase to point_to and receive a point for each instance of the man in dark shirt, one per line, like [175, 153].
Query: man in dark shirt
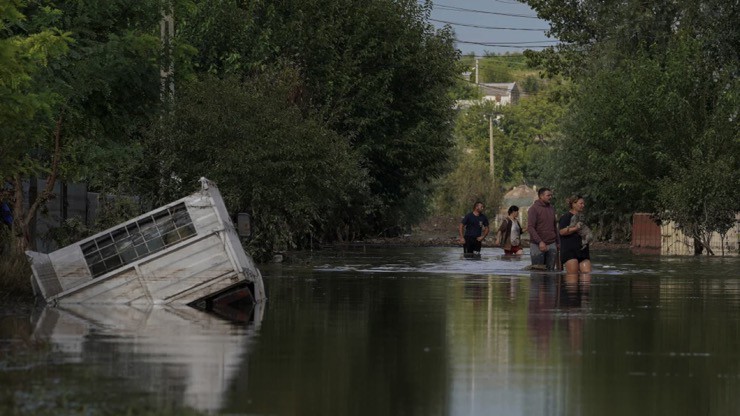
[473, 230]
[544, 239]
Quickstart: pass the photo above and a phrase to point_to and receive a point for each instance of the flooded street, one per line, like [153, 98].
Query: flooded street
[399, 331]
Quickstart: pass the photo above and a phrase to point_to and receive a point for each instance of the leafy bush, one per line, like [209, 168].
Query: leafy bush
[291, 173]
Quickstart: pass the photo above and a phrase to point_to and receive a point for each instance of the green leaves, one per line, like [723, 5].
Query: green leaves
[25, 108]
[293, 174]
[376, 72]
[649, 121]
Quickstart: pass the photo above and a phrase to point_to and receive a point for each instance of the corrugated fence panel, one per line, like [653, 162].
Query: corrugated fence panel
[675, 242]
[645, 234]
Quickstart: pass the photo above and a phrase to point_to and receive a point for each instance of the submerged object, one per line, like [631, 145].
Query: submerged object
[185, 252]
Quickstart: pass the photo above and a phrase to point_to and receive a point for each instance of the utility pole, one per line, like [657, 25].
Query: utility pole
[476, 71]
[490, 142]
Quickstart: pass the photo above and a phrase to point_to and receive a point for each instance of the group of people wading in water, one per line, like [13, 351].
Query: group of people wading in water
[554, 244]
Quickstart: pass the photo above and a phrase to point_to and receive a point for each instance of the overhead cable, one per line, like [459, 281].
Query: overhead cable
[487, 27]
[461, 9]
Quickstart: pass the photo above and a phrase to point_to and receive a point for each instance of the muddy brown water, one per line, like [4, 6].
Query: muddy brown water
[399, 331]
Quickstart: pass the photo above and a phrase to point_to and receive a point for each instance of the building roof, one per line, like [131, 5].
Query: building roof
[497, 88]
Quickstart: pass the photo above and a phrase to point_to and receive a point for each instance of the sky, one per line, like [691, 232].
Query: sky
[494, 26]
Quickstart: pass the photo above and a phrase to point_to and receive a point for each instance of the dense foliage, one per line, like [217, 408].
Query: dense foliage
[332, 119]
[325, 119]
[83, 82]
[653, 124]
[524, 136]
[376, 72]
[293, 174]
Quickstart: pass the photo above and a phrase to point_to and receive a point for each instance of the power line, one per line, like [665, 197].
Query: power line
[518, 56]
[519, 45]
[486, 27]
[528, 42]
[508, 2]
[461, 9]
[515, 43]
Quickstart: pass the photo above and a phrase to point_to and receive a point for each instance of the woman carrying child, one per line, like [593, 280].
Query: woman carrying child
[574, 253]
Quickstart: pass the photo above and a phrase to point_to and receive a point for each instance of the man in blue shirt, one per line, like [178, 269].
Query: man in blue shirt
[473, 230]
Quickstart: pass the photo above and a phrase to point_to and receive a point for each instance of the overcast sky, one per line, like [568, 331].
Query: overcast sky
[497, 26]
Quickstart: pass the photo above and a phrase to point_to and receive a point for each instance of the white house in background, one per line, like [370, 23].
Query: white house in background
[502, 93]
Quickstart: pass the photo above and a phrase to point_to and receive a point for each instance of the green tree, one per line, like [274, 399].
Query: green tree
[655, 87]
[531, 129]
[494, 70]
[468, 183]
[524, 136]
[377, 72]
[470, 178]
[293, 175]
[26, 109]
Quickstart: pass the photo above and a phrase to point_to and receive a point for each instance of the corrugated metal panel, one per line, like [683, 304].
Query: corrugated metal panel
[76, 201]
[675, 242]
[193, 293]
[48, 218]
[645, 234]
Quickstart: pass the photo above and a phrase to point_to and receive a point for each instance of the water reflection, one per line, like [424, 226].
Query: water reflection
[417, 332]
[181, 355]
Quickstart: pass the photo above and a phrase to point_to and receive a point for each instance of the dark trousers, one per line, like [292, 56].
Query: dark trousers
[472, 245]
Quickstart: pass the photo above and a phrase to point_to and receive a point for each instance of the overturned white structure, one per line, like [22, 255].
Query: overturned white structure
[186, 252]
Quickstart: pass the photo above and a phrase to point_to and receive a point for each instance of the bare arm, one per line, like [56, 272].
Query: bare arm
[570, 229]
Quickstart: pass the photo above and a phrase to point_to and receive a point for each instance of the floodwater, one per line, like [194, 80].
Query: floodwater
[399, 331]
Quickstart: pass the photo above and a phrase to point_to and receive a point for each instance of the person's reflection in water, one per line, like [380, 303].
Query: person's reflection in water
[574, 297]
[542, 303]
[574, 290]
[552, 295]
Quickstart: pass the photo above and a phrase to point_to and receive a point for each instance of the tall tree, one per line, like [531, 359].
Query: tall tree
[105, 89]
[657, 84]
[26, 109]
[287, 169]
[377, 72]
